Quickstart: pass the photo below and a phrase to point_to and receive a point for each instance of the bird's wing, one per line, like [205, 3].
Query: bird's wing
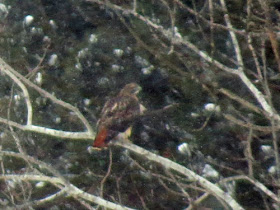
[118, 110]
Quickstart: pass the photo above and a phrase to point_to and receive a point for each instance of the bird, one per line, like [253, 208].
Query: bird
[117, 115]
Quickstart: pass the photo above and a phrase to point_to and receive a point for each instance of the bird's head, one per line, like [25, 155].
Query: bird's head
[131, 88]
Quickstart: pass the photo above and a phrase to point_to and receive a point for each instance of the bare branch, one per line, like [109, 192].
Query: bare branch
[5, 67]
[59, 181]
[180, 41]
[256, 183]
[168, 164]
[24, 90]
[233, 37]
[69, 189]
[49, 131]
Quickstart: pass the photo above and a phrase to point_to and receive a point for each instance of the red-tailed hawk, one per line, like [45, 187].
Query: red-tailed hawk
[117, 115]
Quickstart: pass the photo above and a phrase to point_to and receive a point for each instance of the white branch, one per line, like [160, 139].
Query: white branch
[258, 95]
[70, 189]
[50, 131]
[74, 191]
[24, 90]
[209, 186]
[182, 41]
[233, 37]
[28, 177]
[5, 67]
[256, 183]
[49, 198]
[167, 35]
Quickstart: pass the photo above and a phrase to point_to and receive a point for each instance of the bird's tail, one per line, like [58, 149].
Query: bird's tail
[100, 138]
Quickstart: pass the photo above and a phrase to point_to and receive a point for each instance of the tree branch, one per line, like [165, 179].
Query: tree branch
[168, 164]
[6, 68]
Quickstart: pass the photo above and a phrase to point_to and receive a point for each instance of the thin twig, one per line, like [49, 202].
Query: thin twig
[107, 174]
[233, 37]
[249, 154]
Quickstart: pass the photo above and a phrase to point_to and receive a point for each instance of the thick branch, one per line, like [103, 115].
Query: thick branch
[49, 131]
[168, 164]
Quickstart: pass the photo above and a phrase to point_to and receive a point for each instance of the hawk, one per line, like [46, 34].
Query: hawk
[117, 115]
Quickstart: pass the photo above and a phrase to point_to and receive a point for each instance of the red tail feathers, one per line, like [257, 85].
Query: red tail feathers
[100, 138]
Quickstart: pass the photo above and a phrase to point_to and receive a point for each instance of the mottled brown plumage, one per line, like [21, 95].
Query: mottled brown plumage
[117, 115]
